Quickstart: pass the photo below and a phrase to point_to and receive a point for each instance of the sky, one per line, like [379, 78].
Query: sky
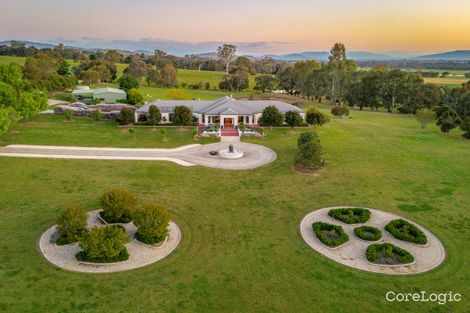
[256, 26]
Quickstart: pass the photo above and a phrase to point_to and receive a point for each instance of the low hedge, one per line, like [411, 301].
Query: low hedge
[330, 235]
[403, 230]
[386, 253]
[82, 256]
[368, 233]
[350, 215]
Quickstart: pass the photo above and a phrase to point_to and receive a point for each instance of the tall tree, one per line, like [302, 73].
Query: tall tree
[227, 54]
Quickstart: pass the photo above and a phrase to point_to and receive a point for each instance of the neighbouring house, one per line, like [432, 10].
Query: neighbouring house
[106, 95]
[226, 111]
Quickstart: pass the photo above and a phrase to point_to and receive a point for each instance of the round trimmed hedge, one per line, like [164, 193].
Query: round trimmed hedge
[368, 233]
[104, 244]
[329, 234]
[388, 254]
[350, 215]
[403, 230]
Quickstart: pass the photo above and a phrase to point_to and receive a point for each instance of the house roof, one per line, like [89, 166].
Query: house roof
[221, 106]
[98, 91]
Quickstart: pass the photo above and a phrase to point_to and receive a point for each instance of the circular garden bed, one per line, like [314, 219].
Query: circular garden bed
[401, 251]
[136, 254]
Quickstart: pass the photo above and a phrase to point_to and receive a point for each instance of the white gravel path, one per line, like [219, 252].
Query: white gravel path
[254, 155]
[139, 254]
[352, 253]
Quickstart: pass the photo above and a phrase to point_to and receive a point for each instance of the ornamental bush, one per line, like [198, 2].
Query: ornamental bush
[368, 233]
[71, 224]
[340, 110]
[104, 244]
[350, 215]
[310, 153]
[403, 230]
[386, 253]
[152, 223]
[293, 118]
[329, 234]
[125, 117]
[117, 205]
[315, 117]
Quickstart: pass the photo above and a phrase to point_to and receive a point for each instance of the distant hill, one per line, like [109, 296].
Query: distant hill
[458, 55]
[37, 45]
[323, 56]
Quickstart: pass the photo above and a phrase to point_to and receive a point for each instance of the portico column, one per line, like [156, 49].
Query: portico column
[206, 120]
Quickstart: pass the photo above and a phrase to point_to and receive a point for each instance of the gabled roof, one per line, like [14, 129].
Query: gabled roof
[221, 106]
[98, 91]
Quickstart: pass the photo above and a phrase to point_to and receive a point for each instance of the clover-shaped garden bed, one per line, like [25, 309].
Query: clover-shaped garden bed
[383, 242]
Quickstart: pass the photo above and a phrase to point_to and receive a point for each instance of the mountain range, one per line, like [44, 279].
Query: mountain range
[458, 55]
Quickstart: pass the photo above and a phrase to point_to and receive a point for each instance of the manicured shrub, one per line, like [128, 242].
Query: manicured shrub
[315, 117]
[96, 115]
[403, 230]
[125, 117]
[386, 253]
[329, 234]
[152, 223]
[350, 215]
[340, 110]
[310, 153]
[425, 116]
[71, 224]
[104, 245]
[154, 116]
[293, 118]
[368, 233]
[117, 205]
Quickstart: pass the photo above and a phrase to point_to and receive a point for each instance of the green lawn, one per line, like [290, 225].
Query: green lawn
[154, 93]
[52, 130]
[241, 249]
[4, 59]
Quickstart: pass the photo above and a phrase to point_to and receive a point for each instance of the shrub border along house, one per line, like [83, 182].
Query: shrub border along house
[413, 235]
[362, 233]
[319, 227]
[339, 214]
[372, 254]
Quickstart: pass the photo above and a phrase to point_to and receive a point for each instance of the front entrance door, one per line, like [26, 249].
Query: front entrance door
[228, 122]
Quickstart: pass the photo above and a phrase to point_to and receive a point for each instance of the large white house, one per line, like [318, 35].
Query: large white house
[226, 111]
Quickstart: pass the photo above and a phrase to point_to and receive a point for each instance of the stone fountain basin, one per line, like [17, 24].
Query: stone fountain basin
[226, 154]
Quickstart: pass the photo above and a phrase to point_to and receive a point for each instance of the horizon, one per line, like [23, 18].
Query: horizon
[298, 26]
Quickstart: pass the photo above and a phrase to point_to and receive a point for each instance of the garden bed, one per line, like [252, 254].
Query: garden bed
[388, 254]
[350, 215]
[405, 231]
[330, 235]
[368, 233]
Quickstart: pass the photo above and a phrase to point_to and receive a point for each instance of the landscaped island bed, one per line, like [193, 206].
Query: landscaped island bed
[404, 230]
[388, 254]
[329, 237]
[350, 215]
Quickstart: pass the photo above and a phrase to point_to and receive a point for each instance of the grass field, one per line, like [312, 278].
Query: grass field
[241, 249]
[449, 81]
[4, 59]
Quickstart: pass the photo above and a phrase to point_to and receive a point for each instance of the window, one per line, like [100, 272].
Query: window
[170, 117]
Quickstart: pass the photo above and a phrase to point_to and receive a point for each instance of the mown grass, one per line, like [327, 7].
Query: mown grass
[241, 249]
[4, 59]
[82, 131]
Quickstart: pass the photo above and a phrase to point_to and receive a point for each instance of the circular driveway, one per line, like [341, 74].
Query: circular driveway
[254, 156]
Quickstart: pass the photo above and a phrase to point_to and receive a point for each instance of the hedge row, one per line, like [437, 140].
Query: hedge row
[330, 235]
[350, 215]
[403, 230]
[368, 233]
[376, 252]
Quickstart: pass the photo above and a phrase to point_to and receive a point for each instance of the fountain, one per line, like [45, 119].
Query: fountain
[230, 153]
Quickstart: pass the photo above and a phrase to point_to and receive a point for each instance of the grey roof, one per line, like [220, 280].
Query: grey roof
[222, 106]
[99, 91]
